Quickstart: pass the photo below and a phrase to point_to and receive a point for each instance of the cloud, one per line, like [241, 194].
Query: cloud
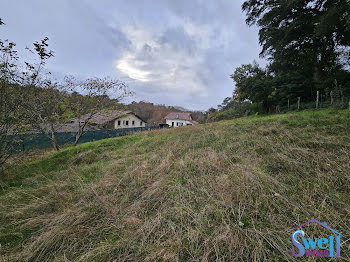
[168, 60]
[170, 52]
[130, 66]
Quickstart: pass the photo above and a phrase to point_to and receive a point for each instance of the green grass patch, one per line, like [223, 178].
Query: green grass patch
[226, 191]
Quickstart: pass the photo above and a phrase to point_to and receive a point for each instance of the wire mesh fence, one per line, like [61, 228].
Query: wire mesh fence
[321, 102]
[28, 142]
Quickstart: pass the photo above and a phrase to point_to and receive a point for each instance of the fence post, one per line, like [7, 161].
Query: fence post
[331, 97]
[317, 99]
[288, 104]
[298, 103]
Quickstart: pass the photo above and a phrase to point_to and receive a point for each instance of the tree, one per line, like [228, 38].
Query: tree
[28, 96]
[199, 116]
[10, 117]
[43, 104]
[301, 33]
[11, 97]
[226, 101]
[93, 100]
[49, 104]
[254, 84]
[306, 41]
[32, 101]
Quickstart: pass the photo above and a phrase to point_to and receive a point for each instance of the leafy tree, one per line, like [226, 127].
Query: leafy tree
[231, 108]
[42, 106]
[31, 101]
[224, 103]
[199, 116]
[11, 120]
[254, 84]
[308, 45]
[302, 33]
[211, 110]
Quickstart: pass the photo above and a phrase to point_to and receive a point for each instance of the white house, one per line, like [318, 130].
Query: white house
[129, 120]
[176, 119]
[114, 119]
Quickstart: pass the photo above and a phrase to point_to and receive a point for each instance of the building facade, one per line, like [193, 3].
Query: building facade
[177, 119]
[129, 121]
[113, 119]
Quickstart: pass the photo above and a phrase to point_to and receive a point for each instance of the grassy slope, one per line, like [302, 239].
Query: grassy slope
[229, 191]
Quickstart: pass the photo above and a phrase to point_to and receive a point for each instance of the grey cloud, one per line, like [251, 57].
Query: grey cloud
[178, 39]
[174, 52]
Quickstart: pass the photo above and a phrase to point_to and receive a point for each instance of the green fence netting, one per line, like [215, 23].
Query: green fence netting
[28, 142]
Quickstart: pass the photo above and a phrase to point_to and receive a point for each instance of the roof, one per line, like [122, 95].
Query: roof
[194, 122]
[72, 127]
[98, 119]
[63, 127]
[322, 224]
[179, 115]
[107, 116]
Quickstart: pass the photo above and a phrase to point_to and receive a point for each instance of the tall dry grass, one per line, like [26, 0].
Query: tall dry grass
[228, 191]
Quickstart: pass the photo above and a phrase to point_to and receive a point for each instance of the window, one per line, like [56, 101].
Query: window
[177, 123]
[133, 123]
[140, 123]
[118, 122]
[172, 123]
[126, 122]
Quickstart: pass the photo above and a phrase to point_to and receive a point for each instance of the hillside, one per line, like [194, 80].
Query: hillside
[226, 191]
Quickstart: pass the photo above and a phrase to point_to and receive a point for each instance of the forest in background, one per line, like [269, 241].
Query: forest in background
[307, 46]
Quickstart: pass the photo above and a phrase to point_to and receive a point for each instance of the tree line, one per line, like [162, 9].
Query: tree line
[307, 46]
[32, 100]
[155, 113]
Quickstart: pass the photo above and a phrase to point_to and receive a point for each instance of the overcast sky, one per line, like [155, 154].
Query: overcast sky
[173, 52]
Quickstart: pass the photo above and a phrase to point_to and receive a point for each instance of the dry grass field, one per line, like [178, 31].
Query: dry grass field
[226, 191]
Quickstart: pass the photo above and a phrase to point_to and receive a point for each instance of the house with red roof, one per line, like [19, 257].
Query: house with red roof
[176, 119]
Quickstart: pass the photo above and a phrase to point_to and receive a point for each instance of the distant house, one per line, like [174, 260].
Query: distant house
[111, 119]
[114, 119]
[176, 119]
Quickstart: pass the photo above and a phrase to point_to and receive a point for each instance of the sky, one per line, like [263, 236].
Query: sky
[172, 52]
